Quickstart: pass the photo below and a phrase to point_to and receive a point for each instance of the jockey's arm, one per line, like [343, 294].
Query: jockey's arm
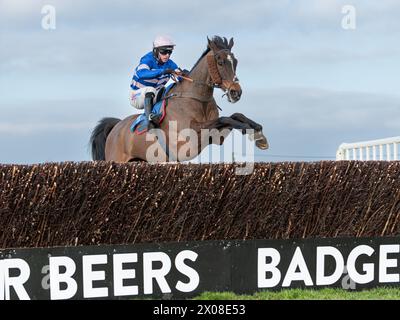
[146, 73]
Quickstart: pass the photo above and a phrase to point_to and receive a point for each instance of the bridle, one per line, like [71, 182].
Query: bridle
[216, 79]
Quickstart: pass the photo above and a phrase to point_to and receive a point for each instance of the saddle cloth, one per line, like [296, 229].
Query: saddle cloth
[139, 125]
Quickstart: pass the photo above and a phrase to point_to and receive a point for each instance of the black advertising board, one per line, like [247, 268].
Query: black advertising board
[185, 269]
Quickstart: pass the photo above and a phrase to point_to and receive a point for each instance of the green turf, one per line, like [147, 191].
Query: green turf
[300, 294]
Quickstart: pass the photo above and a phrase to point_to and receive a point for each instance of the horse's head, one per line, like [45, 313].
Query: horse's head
[222, 67]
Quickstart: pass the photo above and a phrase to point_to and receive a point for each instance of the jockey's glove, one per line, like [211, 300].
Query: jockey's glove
[185, 72]
[168, 71]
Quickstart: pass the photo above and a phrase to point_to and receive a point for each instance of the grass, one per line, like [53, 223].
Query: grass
[382, 293]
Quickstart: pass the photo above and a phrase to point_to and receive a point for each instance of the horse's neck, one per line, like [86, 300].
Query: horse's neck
[200, 88]
[200, 71]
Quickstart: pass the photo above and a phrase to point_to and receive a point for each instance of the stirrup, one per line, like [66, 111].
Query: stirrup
[155, 118]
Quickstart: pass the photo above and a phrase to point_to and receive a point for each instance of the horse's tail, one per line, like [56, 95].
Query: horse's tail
[99, 137]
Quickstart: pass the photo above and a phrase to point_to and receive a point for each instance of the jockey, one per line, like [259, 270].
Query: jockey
[151, 75]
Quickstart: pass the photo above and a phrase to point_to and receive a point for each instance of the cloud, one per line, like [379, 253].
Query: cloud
[308, 124]
[198, 16]
[302, 124]
[279, 44]
[103, 37]
[27, 129]
[45, 147]
[321, 109]
[17, 8]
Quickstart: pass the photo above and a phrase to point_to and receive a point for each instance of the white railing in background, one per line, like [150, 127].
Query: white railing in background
[383, 149]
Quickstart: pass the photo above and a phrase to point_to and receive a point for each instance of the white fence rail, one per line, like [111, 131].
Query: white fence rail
[383, 149]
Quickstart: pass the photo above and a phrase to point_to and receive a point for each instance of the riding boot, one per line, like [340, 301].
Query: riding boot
[148, 107]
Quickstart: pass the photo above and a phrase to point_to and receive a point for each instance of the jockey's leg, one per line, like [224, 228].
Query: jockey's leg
[148, 107]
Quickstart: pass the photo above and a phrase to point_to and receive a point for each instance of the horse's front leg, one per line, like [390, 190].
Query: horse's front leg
[215, 131]
[258, 136]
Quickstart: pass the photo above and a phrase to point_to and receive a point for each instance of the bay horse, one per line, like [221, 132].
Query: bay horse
[191, 106]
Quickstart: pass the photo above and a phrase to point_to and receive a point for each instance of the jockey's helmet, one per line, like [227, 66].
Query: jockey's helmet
[163, 42]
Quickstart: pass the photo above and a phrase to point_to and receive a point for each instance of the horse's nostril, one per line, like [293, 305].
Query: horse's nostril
[235, 94]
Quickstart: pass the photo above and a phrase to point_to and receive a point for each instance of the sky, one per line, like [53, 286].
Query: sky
[312, 83]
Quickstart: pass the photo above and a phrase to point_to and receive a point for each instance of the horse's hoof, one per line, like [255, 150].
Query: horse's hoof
[261, 142]
[263, 145]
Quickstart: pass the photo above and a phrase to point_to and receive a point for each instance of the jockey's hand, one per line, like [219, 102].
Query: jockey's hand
[178, 72]
[168, 71]
[185, 72]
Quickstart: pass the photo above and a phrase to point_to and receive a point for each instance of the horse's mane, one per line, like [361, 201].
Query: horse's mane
[221, 43]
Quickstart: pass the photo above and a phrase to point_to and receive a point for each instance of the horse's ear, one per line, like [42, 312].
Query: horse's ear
[212, 45]
[230, 43]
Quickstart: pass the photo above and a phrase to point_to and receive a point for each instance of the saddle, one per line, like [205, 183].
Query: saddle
[159, 109]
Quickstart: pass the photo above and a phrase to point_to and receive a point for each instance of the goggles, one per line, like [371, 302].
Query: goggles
[165, 51]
